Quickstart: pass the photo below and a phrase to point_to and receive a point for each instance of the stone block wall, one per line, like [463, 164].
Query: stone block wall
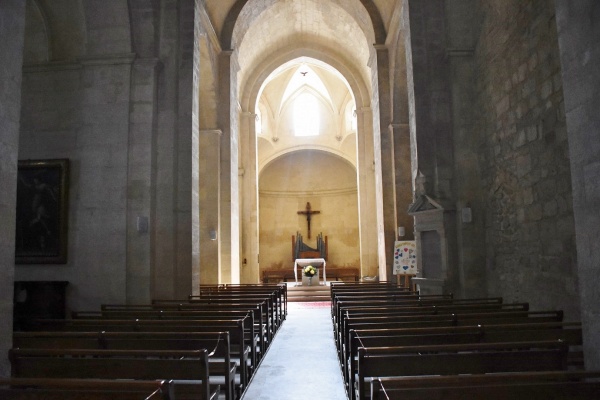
[579, 42]
[80, 111]
[524, 158]
[329, 184]
[12, 26]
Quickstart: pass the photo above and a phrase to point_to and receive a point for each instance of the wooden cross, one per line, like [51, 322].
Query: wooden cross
[308, 213]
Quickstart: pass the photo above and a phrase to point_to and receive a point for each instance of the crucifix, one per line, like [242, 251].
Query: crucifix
[308, 214]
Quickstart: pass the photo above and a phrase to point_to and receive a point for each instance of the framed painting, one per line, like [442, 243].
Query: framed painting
[42, 205]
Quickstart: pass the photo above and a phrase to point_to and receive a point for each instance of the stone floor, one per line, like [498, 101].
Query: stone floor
[301, 363]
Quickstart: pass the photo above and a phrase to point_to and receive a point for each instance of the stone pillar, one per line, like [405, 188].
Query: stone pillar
[226, 209]
[388, 187]
[579, 43]
[470, 233]
[165, 186]
[367, 193]
[430, 97]
[249, 194]
[12, 26]
[141, 177]
[209, 192]
[430, 100]
[183, 194]
[401, 139]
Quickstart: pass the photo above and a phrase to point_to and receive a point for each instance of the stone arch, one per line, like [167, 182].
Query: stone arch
[323, 149]
[337, 155]
[249, 93]
[378, 33]
[248, 97]
[38, 39]
[64, 28]
[145, 17]
[107, 38]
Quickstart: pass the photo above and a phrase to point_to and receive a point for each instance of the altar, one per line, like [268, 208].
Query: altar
[315, 262]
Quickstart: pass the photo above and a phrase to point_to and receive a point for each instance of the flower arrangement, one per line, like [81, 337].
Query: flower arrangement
[309, 271]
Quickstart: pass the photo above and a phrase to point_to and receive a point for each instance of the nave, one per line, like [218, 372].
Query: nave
[302, 361]
[370, 341]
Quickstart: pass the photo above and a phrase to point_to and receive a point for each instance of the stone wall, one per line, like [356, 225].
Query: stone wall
[579, 40]
[81, 112]
[524, 156]
[329, 184]
[12, 26]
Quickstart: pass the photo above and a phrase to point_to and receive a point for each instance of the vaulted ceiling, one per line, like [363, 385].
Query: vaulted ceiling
[259, 29]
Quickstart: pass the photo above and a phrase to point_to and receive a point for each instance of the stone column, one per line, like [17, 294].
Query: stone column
[401, 139]
[388, 187]
[579, 43]
[165, 186]
[429, 96]
[225, 211]
[185, 91]
[430, 115]
[140, 171]
[367, 193]
[12, 26]
[249, 194]
[209, 193]
[470, 233]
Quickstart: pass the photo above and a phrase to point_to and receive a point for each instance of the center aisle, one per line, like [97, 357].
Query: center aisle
[301, 363]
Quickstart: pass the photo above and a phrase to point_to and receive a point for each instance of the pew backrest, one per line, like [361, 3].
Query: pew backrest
[88, 389]
[115, 364]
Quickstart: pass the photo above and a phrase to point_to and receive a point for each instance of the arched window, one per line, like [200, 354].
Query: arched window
[306, 115]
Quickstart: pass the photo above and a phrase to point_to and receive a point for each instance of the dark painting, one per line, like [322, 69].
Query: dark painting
[42, 196]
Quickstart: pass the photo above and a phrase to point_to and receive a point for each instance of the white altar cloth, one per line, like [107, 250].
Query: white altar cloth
[315, 262]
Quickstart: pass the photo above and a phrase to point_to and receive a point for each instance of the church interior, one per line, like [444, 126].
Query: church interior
[148, 147]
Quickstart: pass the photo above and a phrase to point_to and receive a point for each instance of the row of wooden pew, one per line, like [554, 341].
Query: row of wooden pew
[201, 347]
[394, 343]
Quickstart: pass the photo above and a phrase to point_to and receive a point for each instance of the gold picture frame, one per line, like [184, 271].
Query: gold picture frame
[42, 212]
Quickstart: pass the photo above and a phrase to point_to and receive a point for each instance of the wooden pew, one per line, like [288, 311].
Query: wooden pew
[542, 385]
[241, 345]
[340, 303]
[454, 319]
[392, 309]
[189, 369]
[404, 301]
[438, 320]
[279, 289]
[570, 333]
[410, 309]
[267, 313]
[257, 311]
[222, 369]
[251, 328]
[476, 358]
[274, 310]
[84, 389]
[383, 299]
[337, 289]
